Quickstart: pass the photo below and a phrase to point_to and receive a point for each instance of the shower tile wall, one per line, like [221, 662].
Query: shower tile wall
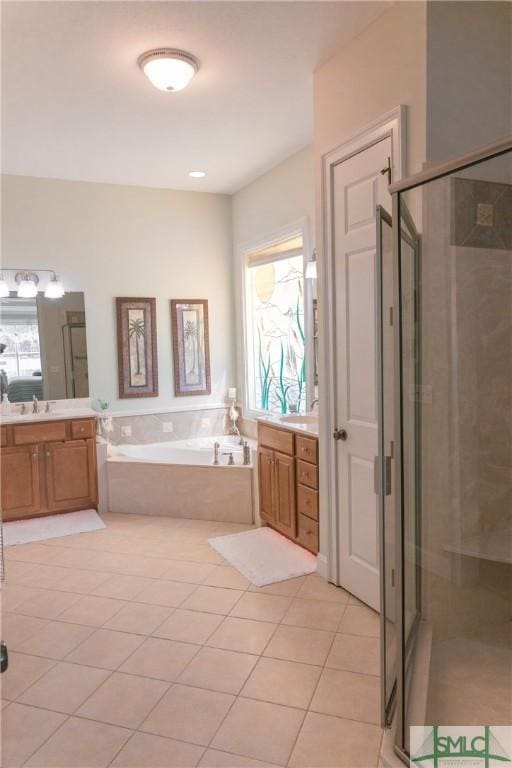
[167, 427]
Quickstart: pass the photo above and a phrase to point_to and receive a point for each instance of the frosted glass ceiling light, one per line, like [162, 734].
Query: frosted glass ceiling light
[197, 174]
[27, 285]
[168, 68]
[54, 289]
[4, 288]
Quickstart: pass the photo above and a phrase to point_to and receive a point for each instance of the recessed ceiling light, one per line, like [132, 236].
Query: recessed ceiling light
[197, 174]
[168, 68]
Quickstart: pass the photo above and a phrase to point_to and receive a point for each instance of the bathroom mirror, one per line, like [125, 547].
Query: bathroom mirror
[43, 349]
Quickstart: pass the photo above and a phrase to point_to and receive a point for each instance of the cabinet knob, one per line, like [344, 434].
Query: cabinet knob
[34, 455]
[82, 429]
[48, 454]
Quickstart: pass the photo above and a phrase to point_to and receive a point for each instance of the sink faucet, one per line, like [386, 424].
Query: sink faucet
[216, 447]
[35, 404]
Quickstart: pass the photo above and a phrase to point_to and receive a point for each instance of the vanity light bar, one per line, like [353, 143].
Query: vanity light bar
[27, 282]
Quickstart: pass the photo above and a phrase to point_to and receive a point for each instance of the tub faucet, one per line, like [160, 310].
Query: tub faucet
[216, 447]
[231, 460]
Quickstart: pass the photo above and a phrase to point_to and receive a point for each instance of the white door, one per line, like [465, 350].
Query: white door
[358, 187]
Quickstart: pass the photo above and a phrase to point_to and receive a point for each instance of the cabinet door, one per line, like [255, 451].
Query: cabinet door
[266, 482]
[284, 494]
[71, 475]
[20, 482]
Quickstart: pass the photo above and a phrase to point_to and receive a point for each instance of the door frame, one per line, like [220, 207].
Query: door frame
[392, 124]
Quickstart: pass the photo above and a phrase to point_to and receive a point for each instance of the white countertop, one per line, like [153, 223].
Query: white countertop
[57, 415]
[310, 429]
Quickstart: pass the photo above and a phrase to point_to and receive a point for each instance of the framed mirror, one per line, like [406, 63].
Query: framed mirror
[43, 348]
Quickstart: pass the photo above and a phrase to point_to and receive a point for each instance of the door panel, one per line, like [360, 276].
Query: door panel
[265, 475]
[358, 185]
[20, 482]
[70, 474]
[284, 500]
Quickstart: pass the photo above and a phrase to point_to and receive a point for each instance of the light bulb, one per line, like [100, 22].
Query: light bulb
[27, 289]
[54, 289]
[4, 288]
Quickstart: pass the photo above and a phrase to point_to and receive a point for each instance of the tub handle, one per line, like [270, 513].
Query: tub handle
[231, 460]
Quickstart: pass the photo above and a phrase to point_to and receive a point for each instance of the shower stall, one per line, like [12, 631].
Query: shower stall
[444, 276]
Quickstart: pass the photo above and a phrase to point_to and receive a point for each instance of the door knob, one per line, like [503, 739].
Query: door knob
[340, 434]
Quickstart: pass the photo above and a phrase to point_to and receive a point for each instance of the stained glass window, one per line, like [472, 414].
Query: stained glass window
[275, 325]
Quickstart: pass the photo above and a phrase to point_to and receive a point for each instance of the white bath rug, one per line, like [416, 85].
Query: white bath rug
[51, 527]
[264, 556]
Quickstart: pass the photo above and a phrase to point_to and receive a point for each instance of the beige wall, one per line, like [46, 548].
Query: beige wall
[107, 241]
[275, 200]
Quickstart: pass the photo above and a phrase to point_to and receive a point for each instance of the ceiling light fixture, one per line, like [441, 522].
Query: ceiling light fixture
[197, 174]
[168, 68]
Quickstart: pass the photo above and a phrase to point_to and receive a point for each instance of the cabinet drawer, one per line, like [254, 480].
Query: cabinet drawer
[5, 436]
[279, 439]
[306, 449]
[48, 431]
[307, 474]
[307, 502]
[82, 429]
[308, 533]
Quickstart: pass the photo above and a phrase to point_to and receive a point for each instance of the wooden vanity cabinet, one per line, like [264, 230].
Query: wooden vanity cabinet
[45, 469]
[288, 483]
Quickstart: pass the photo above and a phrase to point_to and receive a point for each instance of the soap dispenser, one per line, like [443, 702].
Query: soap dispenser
[6, 406]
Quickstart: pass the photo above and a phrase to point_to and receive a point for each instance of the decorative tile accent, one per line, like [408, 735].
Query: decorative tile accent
[481, 214]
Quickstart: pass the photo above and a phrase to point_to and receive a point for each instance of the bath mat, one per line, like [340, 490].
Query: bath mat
[51, 527]
[264, 556]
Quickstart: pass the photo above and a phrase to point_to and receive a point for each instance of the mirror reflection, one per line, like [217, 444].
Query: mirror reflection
[43, 349]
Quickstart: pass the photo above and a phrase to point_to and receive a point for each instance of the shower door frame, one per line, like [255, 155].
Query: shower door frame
[405, 647]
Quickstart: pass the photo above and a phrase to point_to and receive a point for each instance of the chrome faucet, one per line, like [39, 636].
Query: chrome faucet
[231, 460]
[35, 404]
[216, 447]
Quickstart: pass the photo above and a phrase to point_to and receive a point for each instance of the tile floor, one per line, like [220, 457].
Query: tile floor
[138, 647]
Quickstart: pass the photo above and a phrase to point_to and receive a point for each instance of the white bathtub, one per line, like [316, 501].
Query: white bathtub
[178, 479]
[195, 451]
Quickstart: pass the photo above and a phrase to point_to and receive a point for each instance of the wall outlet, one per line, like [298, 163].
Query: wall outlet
[126, 431]
[167, 426]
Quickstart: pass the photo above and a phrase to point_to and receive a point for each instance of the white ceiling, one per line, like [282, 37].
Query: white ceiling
[76, 106]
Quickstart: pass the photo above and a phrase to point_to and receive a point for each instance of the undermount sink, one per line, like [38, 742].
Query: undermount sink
[298, 418]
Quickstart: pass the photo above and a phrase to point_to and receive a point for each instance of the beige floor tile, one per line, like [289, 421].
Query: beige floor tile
[315, 614]
[260, 730]
[213, 600]
[225, 576]
[161, 659]
[288, 588]
[214, 758]
[81, 582]
[25, 729]
[80, 743]
[355, 653]
[18, 572]
[219, 670]
[122, 587]
[316, 588]
[68, 557]
[261, 607]
[243, 635]
[189, 626]
[105, 649]
[348, 694]
[45, 576]
[144, 749]
[92, 611]
[48, 604]
[17, 628]
[326, 741]
[30, 553]
[309, 646]
[168, 593]
[123, 700]
[140, 618]
[22, 672]
[282, 682]
[360, 620]
[64, 687]
[192, 573]
[56, 639]
[16, 594]
[188, 714]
